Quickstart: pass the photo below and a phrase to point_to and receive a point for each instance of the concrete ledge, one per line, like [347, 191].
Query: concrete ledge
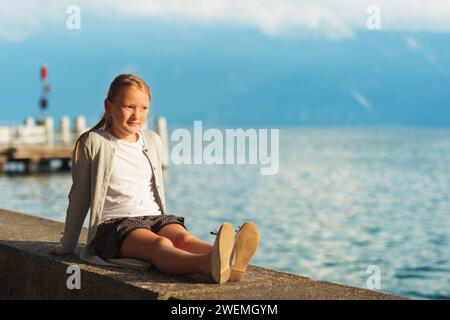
[27, 271]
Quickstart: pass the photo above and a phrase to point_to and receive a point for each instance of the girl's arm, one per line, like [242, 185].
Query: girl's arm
[79, 199]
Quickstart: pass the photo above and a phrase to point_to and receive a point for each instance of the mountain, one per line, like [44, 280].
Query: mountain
[235, 76]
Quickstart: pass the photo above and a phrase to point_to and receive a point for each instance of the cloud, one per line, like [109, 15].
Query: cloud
[16, 24]
[334, 19]
[329, 18]
[415, 45]
[270, 17]
[362, 100]
[21, 19]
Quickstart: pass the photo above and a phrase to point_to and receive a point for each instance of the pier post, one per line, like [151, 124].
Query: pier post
[44, 165]
[3, 161]
[80, 125]
[29, 122]
[65, 130]
[31, 165]
[161, 130]
[48, 124]
[65, 164]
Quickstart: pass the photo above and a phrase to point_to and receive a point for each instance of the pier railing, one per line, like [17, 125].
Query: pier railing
[42, 132]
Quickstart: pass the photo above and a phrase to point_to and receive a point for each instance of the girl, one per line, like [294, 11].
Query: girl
[117, 173]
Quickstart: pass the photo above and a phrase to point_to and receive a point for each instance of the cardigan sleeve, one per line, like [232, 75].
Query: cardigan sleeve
[79, 198]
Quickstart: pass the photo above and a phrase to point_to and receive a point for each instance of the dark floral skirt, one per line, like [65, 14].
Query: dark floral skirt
[111, 233]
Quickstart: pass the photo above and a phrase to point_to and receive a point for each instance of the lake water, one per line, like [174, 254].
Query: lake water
[343, 200]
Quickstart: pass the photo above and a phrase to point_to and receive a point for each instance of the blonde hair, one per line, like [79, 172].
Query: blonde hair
[120, 82]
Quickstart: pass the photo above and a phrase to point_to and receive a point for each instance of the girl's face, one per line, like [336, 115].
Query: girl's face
[128, 112]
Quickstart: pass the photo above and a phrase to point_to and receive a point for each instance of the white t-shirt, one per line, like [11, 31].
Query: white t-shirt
[129, 191]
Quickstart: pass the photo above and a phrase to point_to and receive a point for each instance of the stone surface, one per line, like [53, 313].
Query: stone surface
[27, 271]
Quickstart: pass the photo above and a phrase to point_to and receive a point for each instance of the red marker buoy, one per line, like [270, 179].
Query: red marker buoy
[44, 73]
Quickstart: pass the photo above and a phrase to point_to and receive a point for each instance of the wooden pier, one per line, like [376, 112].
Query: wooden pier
[35, 146]
[35, 157]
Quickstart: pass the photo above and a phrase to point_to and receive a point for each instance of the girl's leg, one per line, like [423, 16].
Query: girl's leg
[183, 240]
[158, 250]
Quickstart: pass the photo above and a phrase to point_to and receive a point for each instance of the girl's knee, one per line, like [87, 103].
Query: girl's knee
[163, 242]
[181, 239]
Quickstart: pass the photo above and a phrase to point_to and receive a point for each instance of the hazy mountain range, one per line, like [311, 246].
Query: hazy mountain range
[230, 76]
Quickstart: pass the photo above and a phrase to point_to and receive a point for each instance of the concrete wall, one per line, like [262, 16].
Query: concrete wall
[27, 271]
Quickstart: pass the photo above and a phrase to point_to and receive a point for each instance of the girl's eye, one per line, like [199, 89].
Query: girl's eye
[140, 108]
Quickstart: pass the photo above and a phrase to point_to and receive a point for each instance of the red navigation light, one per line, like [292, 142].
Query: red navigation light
[44, 73]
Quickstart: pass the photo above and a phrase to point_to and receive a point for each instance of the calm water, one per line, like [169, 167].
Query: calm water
[344, 199]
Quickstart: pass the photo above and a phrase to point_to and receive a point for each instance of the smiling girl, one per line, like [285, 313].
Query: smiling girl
[117, 174]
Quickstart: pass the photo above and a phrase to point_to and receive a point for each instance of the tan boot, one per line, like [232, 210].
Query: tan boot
[245, 245]
[221, 253]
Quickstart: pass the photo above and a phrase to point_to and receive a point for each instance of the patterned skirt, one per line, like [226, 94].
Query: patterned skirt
[111, 233]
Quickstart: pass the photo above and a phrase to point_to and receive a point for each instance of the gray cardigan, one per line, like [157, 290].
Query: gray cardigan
[90, 175]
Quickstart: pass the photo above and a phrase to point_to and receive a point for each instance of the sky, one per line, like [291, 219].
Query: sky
[246, 63]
